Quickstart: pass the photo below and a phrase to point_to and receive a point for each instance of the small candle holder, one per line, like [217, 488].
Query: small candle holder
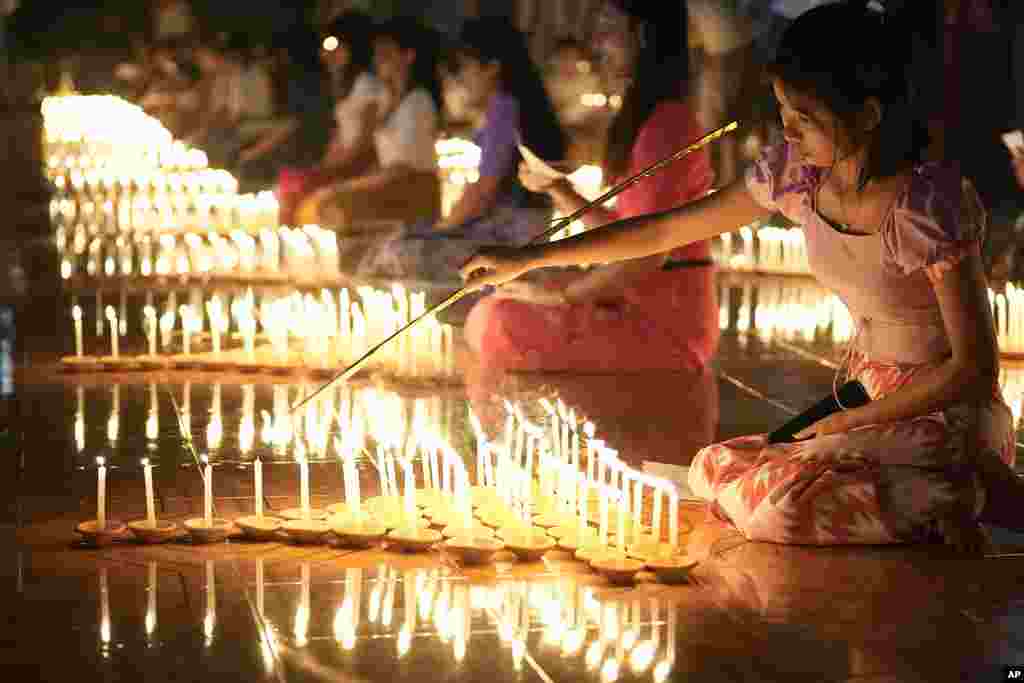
[528, 545]
[620, 571]
[362, 533]
[456, 530]
[202, 533]
[473, 550]
[149, 533]
[95, 535]
[306, 531]
[413, 539]
[79, 364]
[259, 528]
[296, 514]
[672, 570]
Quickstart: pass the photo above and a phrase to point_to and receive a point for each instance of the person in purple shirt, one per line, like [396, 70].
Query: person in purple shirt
[498, 77]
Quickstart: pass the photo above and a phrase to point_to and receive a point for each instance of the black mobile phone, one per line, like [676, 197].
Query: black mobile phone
[851, 395]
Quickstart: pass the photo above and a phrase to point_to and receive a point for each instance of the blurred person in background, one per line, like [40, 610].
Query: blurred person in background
[571, 74]
[346, 51]
[403, 184]
[497, 76]
[658, 312]
[304, 128]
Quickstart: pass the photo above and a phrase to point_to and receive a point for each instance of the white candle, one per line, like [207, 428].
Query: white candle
[151, 325]
[186, 329]
[656, 514]
[147, 473]
[207, 491]
[603, 493]
[101, 493]
[623, 506]
[304, 489]
[257, 470]
[673, 518]
[410, 492]
[114, 332]
[76, 314]
[583, 507]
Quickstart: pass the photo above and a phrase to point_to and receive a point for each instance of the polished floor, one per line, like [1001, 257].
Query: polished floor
[273, 611]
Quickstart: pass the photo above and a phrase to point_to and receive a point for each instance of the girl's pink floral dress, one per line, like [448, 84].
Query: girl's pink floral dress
[883, 483]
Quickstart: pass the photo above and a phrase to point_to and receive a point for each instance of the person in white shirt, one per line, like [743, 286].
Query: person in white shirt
[404, 184]
[347, 53]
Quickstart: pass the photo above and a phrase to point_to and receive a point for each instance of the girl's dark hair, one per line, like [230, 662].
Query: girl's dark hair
[410, 34]
[495, 39]
[661, 72]
[355, 29]
[845, 53]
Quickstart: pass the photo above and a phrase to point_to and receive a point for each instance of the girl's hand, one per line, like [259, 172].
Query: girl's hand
[531, 292]
[494, 266]
[843, 421]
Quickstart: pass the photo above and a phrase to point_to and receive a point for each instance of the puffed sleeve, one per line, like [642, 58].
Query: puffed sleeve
[775, 175]
[936, 223]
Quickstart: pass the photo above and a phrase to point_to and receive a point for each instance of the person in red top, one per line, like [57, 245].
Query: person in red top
[655, 313]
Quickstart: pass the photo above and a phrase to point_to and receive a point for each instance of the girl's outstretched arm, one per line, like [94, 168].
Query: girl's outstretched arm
[632, 238]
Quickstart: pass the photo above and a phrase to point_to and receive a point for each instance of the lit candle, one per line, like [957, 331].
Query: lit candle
[673, 518]
[207, 491]
[114, 332]
[166, 328]
[147, 473]
[304, 489]
[583, 507]
[151, 325]
[76, 314]
[656, 489]
[257, 472]
[101, 493]
[603, 493]
[410, 492]
[186, 329]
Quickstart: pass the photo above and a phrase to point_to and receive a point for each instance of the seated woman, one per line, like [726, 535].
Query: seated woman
[403, 184]
[360, 98]
[898, 239]
[498, 77]
[658, 312]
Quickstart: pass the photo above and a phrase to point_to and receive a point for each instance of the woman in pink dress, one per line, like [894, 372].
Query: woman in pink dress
[898, 240]
[654, 313]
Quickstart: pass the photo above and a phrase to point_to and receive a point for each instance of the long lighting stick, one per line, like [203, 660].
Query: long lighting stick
[558, 225]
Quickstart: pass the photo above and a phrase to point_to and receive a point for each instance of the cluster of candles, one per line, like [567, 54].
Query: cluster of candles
[309, 253]
[534, 488]
[328, 328]
[598, 100]
[785, 309]
[459, 162]
[610, 635]
[764, 248]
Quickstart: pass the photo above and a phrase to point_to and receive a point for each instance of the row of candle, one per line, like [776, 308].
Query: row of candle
[105, 131]
[307, 253]
[568, 616]
[532, 460]
[119, 211]
[791, 311]
[551, 453]
[784, 309]
[764, 248]
[330, 329]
